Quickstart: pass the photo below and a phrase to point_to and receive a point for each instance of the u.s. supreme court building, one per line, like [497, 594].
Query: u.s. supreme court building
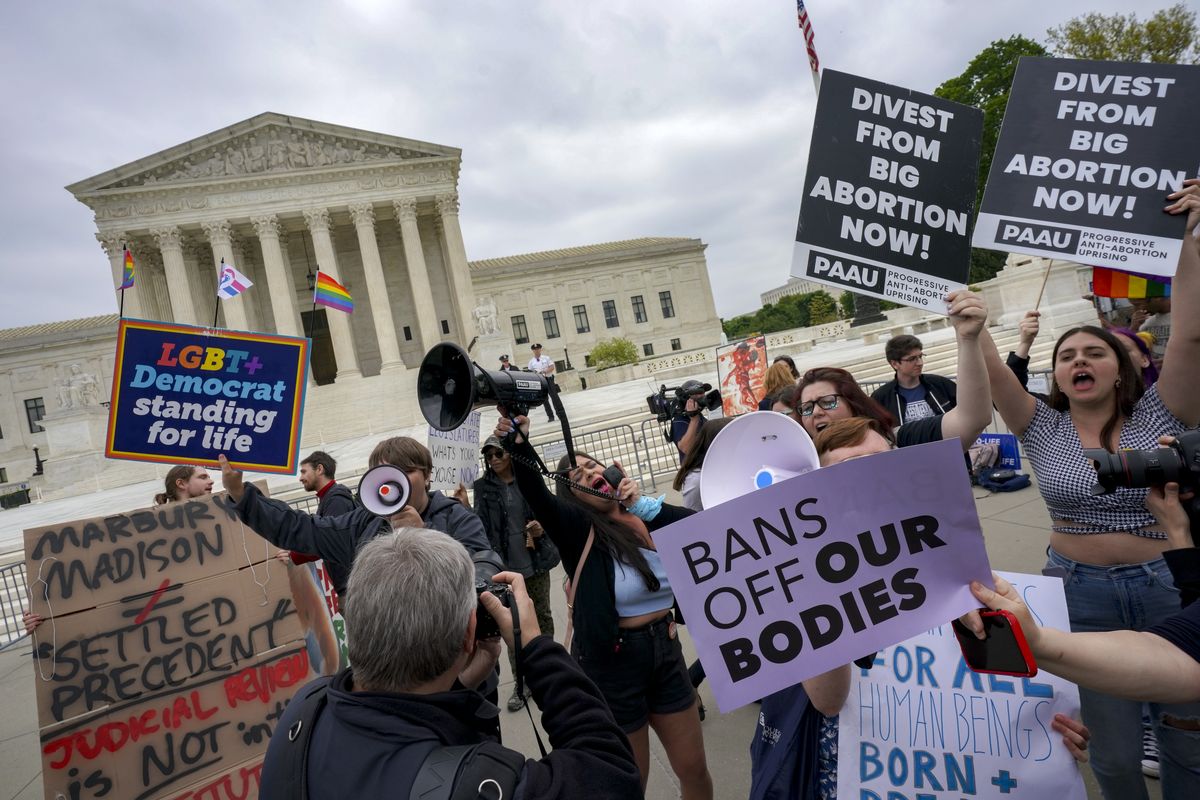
[280, 197]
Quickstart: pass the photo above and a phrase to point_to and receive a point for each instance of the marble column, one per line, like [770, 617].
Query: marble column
[113, 244]
[283, 301]
[457, 270]
[339, 323]
[418, 274]
[179, 291]
[381, 308]
[220, 236]
[201, 278]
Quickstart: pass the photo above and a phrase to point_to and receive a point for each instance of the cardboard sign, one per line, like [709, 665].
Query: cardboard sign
[170, 646]
[455, 455]
[184, 395]
[806, 575]
[920, 724]
[741, 371]
[889, 192]
[1087, 154]
[1010, 451]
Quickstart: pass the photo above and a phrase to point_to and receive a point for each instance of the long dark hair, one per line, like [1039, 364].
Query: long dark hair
[859, 401]
[1128, 391]
[618, 540]
[695, 457]
[183, 472]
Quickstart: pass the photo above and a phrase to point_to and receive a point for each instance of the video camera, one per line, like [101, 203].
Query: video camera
[665, 407]
[1140, 469]
[488, 563]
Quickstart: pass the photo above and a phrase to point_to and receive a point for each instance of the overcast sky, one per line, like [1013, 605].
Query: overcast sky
[579, 122]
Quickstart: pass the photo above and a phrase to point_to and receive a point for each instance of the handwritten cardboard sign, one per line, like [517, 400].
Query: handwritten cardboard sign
[1086, 155]
[920, 724]
[805, 575]
[170, 647]
[455, 455]
[889, 192]
[186, 395]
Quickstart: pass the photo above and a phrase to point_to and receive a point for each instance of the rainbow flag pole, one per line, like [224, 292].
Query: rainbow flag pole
[126, 278]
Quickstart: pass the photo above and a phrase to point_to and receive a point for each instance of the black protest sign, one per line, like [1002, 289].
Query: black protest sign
[889, 192]
[1087, 154]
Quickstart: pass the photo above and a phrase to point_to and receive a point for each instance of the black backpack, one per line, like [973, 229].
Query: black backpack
[484, 771]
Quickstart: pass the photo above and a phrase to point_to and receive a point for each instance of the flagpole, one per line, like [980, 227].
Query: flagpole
[217, 307]
[1045, 278]
[121, 302]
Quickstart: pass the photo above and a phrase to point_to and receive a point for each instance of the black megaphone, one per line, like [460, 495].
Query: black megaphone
[450, 386]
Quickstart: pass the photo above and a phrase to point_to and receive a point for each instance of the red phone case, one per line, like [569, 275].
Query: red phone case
[1014, 625]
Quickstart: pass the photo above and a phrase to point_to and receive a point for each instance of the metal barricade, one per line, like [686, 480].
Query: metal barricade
[12, 601]
[307, 503]
[659, 453]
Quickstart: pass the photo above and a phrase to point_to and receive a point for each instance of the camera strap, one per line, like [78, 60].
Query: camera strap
[519, 672]
[537, 465]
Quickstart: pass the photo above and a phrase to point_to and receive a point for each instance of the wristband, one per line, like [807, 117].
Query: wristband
[647, 508]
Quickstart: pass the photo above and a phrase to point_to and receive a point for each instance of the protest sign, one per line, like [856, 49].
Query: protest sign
[889, 192]
[183, 394]
[919, 724]
[808, 574]
[1010, 452]
[455, 455]
[170, 646]
[1086, 156]
[741, 371]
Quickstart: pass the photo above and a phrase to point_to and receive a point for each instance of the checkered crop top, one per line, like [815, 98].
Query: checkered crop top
[1065, 477]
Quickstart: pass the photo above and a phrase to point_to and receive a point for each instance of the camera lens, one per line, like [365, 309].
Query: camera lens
[1136, 469]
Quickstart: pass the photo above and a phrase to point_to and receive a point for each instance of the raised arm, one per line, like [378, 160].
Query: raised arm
[828, 691]
[1177, 381]
[1016, 406]
[974, 410]
[558, 518]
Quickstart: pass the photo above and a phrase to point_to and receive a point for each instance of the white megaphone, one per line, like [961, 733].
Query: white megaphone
[753, 452]
[384, 490]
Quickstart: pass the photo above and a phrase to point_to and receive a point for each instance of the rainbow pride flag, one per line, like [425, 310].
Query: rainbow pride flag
[127, 273]
[332, 294]
[1115, 283]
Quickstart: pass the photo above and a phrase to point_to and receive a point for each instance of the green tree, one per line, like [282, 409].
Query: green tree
[985, 84]
[822, 308]
[846, 303]
[1168, 37]
[613, 353]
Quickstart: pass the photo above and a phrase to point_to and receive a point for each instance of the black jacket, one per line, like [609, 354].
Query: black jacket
[370, 745]
[337, 539]
[491, 506]
[942, 392]
[337, 500]
[595, 615]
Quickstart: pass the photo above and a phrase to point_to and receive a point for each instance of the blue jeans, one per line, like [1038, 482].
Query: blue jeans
[1130, 596]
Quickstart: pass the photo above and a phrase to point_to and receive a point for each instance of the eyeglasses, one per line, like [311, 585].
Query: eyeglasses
[493, 455]
[828, 403]
[917, 359]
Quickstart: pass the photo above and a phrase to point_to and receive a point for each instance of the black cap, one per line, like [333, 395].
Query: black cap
[694, 387]
[504, 358]
[537, 346]
[491, 442]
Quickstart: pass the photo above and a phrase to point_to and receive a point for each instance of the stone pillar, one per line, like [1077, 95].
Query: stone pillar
[201, 279]
[457, 270]
[418, 274]
[113, 244]
[283, 300]
[220, 236]
[381, 309]
[179, 292]
[339, 323]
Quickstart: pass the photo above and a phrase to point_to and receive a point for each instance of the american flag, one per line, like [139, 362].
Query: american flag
[806, 29]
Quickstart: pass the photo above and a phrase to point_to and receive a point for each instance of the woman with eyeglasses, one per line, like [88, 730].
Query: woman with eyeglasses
[828, 394]
[620, 604]
[1109, 546]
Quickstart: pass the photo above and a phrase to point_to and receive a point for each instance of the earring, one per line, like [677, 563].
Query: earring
[1118, 383]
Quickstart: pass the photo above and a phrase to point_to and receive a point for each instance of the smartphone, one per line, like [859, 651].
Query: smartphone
[1004, 651]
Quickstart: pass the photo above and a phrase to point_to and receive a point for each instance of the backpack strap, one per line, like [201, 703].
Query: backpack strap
[293, 763]
[485, 771]
[574, 586]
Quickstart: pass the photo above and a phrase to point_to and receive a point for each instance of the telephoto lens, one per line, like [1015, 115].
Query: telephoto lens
[1141, 469]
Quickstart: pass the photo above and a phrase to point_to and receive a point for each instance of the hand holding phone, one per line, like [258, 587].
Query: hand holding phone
[1002, 651]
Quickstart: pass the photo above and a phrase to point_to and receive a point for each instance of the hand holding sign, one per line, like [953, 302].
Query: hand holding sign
[967, 313]
[231, 479]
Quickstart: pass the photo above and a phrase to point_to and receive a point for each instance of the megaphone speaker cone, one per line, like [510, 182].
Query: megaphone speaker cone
[384, 490]
[753, 452]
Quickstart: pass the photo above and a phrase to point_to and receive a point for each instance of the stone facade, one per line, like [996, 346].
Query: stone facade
[280, 197]
[797, 286]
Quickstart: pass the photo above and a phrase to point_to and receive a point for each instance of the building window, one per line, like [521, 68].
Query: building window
[520, 332]
[581, 320]
[407, 333]
[445, 326]
[3, 475]
[648, 349]
[550, 320]
[35, 409]
[668, 307]
[610, 313]
[675, 345]
[639, 309]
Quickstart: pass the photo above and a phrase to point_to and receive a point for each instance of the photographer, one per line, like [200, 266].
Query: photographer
[689, 415]
[411, 616]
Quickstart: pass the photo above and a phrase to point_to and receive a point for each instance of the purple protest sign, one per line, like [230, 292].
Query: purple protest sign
[803, 576]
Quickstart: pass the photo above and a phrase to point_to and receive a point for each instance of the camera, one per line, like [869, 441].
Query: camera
[664, 407]
[488, 563]
[1139, 469]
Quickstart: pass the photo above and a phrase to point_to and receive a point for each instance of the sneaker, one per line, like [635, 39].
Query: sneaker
[1149, 752]
[516, 702]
